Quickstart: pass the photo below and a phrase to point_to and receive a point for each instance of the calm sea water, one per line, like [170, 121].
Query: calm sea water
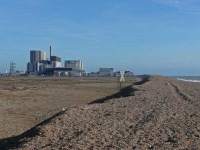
[188, 78]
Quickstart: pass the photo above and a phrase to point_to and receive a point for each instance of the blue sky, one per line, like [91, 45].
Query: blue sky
[144, 36]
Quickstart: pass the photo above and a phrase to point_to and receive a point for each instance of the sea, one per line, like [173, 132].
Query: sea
[187, 78]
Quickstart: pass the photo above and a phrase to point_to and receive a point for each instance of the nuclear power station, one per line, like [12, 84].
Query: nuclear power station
[40, 65]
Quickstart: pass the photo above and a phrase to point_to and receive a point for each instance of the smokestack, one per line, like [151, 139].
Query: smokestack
[50, 52]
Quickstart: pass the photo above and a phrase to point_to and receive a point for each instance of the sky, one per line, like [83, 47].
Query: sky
[142, 36]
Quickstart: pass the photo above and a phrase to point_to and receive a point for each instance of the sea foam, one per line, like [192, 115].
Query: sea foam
[188, 80]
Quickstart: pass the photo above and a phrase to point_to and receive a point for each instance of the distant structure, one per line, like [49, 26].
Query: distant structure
[50, 52]
[126, 74]
[55, 61]
[77, 67]
[37, 56]
[18, 73]
[72, 68]
[40, 65]
[58, 71]
[12, 67]
[106, 72]
[38, 61]
[93, 74]
[74, 64]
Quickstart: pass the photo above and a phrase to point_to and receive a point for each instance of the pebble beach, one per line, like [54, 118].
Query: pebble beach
[154, 113]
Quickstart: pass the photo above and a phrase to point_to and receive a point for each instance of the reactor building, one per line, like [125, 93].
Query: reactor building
[37, 56]
[39, 62]
[40, 65]
[74, 64]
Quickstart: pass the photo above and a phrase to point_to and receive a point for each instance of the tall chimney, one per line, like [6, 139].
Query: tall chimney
[50, 53]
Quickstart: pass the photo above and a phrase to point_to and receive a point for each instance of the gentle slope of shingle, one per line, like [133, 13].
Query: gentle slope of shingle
[161, 113]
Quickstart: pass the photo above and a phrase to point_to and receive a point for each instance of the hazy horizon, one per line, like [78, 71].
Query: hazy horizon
[145, 37]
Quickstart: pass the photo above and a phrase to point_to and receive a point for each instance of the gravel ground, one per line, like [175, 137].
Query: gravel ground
[159, 113]
[27, 101]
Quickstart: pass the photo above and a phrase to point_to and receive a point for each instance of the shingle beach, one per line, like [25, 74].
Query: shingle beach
[154, 113]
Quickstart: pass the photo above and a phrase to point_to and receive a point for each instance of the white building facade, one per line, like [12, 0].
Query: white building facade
[74, 64]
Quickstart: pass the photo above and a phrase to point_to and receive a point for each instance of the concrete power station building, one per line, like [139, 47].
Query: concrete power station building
[36, 56]
[40, 65]
[77, 67]
[55, 61]
[74, 64]
[38, 61]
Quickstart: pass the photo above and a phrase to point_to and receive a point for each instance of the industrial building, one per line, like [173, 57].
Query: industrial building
[33, 67]
[58, 71]
[126, 74]
[55, 61]
[38, 61]
[77, 67]
[18, 73]
[40, 65]
[74, 64]
[103, 72]
[62, 71]
[106, 72]
[93, 74]
[37, 55]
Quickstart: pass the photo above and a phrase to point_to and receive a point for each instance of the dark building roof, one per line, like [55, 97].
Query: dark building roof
[45, 62]
[106, 68]
[58, 69]
[50, 71]
[55, 58]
